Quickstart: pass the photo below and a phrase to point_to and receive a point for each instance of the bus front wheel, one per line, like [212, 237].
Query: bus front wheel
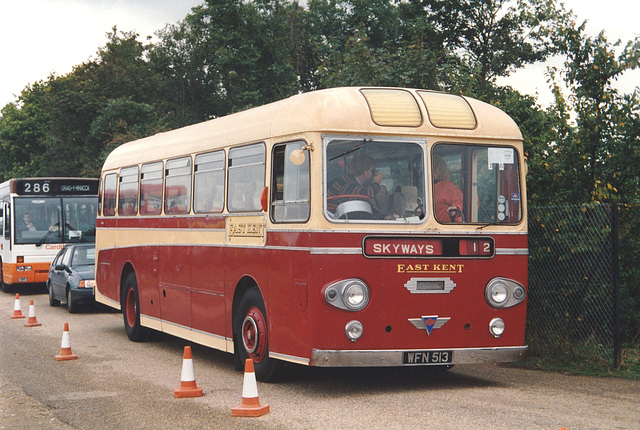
[5, 287]
[131, 309]
[251, 335]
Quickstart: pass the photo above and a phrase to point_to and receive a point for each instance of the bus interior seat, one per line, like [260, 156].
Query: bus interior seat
[410, 194]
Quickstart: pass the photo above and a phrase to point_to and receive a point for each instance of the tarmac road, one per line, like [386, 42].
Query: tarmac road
[118, 384]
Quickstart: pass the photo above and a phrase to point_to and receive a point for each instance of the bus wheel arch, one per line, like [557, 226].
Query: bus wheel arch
[251, 331]
[127, 269]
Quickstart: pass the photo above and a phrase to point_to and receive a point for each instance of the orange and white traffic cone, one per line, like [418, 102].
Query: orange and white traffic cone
[17, 310]
[250, 406]
[32, 321]
[65, 348]
[187, 386]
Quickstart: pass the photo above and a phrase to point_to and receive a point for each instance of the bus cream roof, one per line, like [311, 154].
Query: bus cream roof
[336, 110]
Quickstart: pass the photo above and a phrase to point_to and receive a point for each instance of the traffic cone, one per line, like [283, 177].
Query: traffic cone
[250, 406]
[32, 321]
[17, 310]
[187, 386]
[65, 349]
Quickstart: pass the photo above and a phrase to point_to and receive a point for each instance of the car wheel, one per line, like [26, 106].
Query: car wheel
[71, 305]
[130, 303]
[251, 333]
[52, 300]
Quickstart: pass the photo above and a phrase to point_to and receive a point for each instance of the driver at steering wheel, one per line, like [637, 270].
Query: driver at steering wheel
[361, 182]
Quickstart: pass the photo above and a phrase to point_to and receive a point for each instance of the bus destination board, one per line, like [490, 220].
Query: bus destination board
[64, 186]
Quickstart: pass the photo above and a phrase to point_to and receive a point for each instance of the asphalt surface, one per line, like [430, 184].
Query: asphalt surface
[118, 384]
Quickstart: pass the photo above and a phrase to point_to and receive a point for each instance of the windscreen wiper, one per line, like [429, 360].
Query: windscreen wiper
[51, 230]
[365, 141]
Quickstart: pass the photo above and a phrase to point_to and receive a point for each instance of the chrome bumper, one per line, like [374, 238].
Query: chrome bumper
[333, 358]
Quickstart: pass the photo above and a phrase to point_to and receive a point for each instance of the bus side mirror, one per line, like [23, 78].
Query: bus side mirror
[297, 157]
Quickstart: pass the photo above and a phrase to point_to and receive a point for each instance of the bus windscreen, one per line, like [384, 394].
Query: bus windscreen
[55, 220]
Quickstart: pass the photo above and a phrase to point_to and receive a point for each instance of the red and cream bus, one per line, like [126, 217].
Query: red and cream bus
[341, 227]
[38, 216]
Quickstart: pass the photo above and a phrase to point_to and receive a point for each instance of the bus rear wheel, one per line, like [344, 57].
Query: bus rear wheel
[251, 335]
[131, 309]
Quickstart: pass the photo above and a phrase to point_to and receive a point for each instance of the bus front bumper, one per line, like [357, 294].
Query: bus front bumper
[380, 358]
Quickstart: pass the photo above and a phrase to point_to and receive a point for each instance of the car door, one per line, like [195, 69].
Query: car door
[58, 278]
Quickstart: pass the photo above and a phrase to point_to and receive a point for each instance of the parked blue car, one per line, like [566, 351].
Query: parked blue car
[72, 276]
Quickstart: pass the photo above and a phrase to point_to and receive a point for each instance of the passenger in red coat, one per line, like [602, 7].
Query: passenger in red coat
[448, 198]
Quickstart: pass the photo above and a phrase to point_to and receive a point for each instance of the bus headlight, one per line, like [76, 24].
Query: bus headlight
[353, 330]
[496, 327]
[498, 293]
[349, 294]
[503, 293]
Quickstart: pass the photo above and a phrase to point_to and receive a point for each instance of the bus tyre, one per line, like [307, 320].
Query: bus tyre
[5, 288]
[52, 300]
[251, 335]
[131, 309]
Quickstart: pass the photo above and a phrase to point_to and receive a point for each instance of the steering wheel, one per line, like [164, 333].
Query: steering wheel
[454, 212]
[350, 206]
[334, 201]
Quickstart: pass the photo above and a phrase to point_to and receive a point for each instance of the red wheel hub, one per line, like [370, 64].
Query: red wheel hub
[130, 307]
[254, 334]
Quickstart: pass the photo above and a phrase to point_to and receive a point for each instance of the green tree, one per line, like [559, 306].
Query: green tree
[119, 121]
[493, 38]
[595, 153]
[594, 156]
[47, 132]
[229, 55]
[23, 127]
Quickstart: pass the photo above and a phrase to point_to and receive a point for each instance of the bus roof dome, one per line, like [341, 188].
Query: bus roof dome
[336, 110]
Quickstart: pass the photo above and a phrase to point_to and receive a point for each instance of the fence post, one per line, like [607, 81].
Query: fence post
[616, 284]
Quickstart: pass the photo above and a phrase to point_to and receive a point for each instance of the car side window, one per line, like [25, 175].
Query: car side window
[66, 259]
[56, 260]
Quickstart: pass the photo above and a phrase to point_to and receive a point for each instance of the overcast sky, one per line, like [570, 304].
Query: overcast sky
[40, 37]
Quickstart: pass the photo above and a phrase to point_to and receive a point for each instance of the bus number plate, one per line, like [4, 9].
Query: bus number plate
[427, 357]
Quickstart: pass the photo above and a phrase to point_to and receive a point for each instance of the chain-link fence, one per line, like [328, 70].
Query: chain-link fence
[571, 304]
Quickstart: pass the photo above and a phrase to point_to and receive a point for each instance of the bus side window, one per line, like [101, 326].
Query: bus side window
[246, 178]
[289, 185]
[109, 208]
[128, 192]
[208, 184]
[7, 222]
[151, 189]
[177, 183]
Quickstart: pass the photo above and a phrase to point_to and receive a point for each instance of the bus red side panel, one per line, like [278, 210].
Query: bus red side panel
[208, 307]
[288, 310]
[105, 275]
[174, 283]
